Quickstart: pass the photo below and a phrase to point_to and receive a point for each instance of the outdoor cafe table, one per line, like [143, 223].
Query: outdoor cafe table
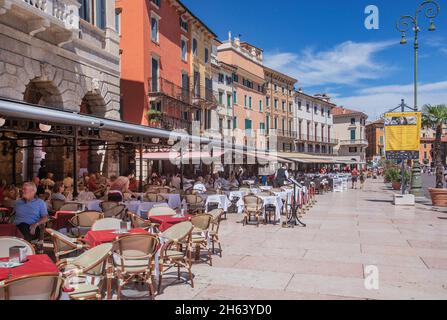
[40, 263]
[240, 202]
[141, 208]
[95, 238]
[10, 230]
[272, 200]
[168, 221]
[221, 199]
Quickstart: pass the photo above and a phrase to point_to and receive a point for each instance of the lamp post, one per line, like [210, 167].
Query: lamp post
[430, 9]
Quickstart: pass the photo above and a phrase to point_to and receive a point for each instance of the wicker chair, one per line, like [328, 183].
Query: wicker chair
[213, 231]
[133, 258]
[195, 203]
[82, 222]
[200, 235]
[43, 286]
[106, 205]
[106, 224]
[6, 215]
[154, 197]
[118, 212]
[163, 190]
[92, 265]
[72, 206]
[64, 245]
[8, 242]
[57, 204]
[252, 208]
[172, 253]
[138, 222]
[161, 211]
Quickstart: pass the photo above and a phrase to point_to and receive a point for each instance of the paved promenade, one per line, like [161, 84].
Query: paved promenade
[346, 233]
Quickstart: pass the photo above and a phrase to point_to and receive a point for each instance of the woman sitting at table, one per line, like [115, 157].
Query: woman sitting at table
[175, 181]
[58, 192]
[30, 212]
[119, 189]
[85, 195]
[233, 182]
[11, 192]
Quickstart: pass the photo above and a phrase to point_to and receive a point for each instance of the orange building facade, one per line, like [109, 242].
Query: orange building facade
[156, 53]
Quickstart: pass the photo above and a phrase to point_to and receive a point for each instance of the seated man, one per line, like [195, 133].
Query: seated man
[199, 186]
[30, 212]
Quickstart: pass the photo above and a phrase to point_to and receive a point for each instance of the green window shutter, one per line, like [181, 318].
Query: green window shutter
[234, 122]
[247, 124]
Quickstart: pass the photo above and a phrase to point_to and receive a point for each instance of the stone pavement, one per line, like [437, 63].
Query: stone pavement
[346, 232]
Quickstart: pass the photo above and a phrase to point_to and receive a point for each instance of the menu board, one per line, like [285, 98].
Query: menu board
[402, 135]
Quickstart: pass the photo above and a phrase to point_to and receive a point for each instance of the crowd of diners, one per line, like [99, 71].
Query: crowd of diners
[32, 201]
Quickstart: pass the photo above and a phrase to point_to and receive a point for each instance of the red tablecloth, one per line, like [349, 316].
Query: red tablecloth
[10, 230]
[168, 221]
[62, 218]
[95, 238]
[36, 264]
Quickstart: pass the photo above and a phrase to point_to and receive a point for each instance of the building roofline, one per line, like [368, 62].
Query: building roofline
[288, 78]
[333, 105]
[196, 18]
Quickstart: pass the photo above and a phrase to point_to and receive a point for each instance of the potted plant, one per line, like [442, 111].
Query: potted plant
[393, 175]
[154, 118]
[435, 117]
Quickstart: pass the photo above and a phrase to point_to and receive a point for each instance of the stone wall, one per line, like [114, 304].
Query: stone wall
[66, 75]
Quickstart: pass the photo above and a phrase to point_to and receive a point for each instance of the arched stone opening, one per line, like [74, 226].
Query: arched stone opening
[93, 158]
[45, 93]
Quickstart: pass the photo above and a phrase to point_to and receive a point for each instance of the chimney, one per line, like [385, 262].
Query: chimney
[300, 90]
[229, 36]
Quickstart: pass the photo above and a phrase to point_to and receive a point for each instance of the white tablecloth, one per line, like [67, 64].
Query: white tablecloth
[237, 194]
[272, 200]
[141, 208]
[221, 199]
[174, 200]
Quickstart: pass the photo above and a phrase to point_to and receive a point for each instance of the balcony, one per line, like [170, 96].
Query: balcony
[312, 139]
[59, 19]
[199, 97]
[354, 142]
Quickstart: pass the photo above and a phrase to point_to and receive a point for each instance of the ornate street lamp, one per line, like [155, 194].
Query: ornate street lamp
[405, 24]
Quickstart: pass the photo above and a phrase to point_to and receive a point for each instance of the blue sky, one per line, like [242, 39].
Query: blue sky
[325, 45]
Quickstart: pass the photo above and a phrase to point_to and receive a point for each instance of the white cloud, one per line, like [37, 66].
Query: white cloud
[346, 64]
[376, 100]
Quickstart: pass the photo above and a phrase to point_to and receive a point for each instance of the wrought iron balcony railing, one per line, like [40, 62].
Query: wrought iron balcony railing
[196, 96]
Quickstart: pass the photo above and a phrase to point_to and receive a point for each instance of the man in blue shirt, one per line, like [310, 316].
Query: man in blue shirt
[30, 212]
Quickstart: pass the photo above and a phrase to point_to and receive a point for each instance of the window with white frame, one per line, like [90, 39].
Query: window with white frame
[184, 48]
[94, 12]
[154, 27]
[194, 47]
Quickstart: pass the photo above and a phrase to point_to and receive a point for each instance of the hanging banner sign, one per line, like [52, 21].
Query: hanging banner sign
[402, 135]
